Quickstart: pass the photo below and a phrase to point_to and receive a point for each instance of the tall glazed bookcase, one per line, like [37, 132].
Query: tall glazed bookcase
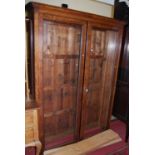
[74, 62]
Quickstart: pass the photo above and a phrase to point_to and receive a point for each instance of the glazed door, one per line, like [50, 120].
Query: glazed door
[101, 58]
[62, 74]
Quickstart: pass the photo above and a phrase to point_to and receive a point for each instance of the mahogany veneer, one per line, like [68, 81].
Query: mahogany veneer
[75, 59]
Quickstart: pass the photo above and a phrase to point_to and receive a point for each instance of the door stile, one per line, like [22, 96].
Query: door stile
[85, 84]
[80, 83]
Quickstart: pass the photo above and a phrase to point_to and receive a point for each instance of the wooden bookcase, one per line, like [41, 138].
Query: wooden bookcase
[75, 59]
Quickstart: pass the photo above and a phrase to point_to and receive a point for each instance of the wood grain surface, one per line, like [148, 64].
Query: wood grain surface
[76, 57]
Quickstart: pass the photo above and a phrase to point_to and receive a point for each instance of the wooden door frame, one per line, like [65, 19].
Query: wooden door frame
[38, 23]
[99, 25]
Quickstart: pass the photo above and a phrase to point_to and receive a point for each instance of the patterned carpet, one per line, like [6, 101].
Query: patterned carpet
[122, 151]
[121, 148]
[113, 150]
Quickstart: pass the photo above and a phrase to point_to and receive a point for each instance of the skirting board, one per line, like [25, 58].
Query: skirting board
[93, 143]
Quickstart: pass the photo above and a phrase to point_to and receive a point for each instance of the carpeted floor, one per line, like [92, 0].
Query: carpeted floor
[120, 148]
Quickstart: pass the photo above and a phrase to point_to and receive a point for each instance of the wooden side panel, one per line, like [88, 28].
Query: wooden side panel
[110, 78]
[121, 104]
[99, 76]
[61, 55]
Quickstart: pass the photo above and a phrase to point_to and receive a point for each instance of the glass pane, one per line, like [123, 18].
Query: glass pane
[101, 72]
[96, 71]
[61, 53]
